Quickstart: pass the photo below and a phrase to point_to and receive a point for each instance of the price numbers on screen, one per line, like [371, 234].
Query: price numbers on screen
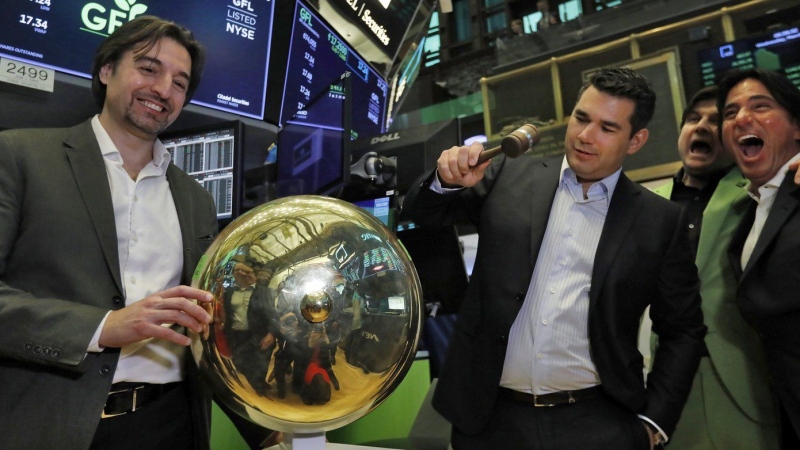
[43, 4]
[39, 25]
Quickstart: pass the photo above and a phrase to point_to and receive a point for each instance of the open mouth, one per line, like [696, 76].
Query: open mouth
[700, 147]
[153, 106]
[750, 145]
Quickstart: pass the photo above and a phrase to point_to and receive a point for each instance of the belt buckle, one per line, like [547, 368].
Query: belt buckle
[537, 404]
[103, 414]
[536, 398]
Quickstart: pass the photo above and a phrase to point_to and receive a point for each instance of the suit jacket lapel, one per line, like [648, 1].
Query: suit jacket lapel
[786, 201]
[622, 212]
[728, 199]
[546, 178]
[183, 205]
[89, 170]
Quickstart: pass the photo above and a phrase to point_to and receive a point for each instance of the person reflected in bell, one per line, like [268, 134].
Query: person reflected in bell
[262, 319]
[245, 342]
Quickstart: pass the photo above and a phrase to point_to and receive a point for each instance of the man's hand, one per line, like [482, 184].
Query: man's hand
[144, 319]
[454, 166]
[268, 341]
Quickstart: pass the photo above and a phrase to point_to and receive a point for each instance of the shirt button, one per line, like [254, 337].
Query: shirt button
[552, 290]
[539, 356]
[562, 262]
[691, 226]
[133, 280]
[570, 233]
[544, 322]
[135, 238]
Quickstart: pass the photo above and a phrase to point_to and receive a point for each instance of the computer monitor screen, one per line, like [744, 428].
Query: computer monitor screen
[314, 158]
[64, 34]
[384, 208]
[778, 51]
[212, 156]
[318, 55]
[439, 259]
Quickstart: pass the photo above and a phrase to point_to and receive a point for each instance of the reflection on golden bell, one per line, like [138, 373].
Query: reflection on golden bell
[315, 306]
[325, 329]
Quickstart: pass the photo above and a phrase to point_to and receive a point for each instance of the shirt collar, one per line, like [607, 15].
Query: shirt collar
[161, 157]
[774, 183]
[607, 185]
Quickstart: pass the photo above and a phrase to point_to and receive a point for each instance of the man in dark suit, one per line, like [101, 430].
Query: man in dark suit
[249, 314]
[571, 252]
[99, 234]
[761, 126]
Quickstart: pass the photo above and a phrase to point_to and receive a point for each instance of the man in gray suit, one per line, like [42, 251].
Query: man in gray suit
[99, 233]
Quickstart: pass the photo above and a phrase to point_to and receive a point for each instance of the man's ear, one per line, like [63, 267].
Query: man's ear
[105, 72]
[638, 140]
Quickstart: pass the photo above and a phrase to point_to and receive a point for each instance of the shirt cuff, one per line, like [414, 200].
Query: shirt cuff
[94, 344]
[660, 431]
[436, 185]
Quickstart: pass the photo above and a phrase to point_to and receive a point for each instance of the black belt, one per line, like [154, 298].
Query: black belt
[126, 398]
[553, 398]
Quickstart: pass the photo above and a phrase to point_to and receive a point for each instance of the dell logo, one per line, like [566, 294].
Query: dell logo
[385, 138]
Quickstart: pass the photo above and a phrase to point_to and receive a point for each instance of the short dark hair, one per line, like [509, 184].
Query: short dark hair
[626, 83]
[781, 89]
[140, 35]
[704, 94]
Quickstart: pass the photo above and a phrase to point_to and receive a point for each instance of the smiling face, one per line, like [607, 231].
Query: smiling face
[698, 144]
[758, 131]
[145, 95]
[599, 135]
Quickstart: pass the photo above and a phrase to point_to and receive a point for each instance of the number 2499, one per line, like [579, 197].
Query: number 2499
[26, 71]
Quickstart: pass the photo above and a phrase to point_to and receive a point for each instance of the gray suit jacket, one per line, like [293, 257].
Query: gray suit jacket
[59, 275]
[643, 258]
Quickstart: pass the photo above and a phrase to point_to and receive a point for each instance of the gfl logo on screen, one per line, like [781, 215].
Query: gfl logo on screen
[101, 20]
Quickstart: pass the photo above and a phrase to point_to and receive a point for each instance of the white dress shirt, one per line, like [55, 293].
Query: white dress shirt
[765, 197]
[548, 346]
[150, 255]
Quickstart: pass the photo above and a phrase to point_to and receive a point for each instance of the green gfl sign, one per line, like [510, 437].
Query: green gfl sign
[99, 19]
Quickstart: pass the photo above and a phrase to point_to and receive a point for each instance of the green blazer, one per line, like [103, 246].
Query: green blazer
[60, 275]
[733, 345]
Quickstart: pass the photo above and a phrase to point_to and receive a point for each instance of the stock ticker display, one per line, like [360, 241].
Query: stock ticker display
[317, 59]
[777, 51]
[64, 34]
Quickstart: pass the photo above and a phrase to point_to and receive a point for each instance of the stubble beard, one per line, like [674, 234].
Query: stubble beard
[145, 123]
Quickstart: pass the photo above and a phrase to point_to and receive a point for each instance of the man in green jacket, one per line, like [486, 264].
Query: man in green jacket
[730, 406]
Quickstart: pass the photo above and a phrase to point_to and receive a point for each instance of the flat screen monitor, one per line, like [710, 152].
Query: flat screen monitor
[317, 56]
[438, 257]
[383, 207]
[314, 158]
[778, 51]
[64, 34]
[212, 156]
